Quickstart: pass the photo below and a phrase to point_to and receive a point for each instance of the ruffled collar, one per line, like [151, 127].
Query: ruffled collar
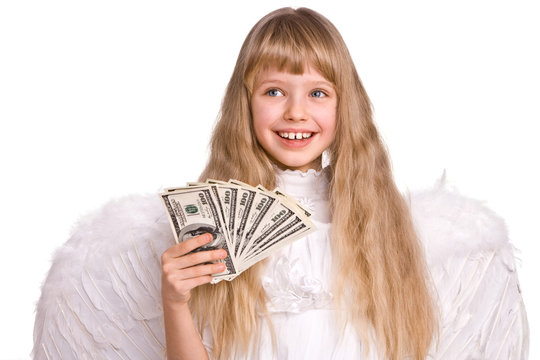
[312, 183]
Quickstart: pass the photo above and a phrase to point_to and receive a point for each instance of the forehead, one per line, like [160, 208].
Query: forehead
[309, 75]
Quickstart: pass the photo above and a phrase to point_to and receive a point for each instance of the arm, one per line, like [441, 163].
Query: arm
[181, 272]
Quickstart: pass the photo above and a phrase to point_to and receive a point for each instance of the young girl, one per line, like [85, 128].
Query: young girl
[384, 276]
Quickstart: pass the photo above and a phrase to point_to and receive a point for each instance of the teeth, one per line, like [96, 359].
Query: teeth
[295, 136]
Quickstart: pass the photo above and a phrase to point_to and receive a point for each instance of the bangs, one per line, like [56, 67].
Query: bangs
[289, 43]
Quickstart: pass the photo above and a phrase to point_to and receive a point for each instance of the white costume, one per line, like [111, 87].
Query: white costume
[101, 299]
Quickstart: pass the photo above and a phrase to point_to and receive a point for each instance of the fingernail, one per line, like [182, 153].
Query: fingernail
[223, 253]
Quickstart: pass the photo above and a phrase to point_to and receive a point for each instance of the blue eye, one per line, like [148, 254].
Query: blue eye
[274, 92]
[318, 93]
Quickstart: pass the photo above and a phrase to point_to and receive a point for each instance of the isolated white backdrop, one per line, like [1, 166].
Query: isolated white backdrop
[106, 98]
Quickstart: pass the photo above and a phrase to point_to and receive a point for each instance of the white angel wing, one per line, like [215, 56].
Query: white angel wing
[101, 298]
[473, 270]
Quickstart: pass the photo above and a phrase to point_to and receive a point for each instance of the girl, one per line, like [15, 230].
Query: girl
[360, 287]
[293, 94]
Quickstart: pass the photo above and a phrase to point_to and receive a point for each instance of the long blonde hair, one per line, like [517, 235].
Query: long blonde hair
[379, 269]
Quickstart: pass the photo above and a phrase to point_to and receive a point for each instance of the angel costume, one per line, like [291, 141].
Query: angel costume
[101, 298]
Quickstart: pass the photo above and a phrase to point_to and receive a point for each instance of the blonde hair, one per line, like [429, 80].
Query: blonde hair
[380, 277]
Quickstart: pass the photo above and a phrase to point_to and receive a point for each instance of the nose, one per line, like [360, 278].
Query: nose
[296, 109]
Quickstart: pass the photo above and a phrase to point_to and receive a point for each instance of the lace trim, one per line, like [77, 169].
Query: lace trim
[300, 172]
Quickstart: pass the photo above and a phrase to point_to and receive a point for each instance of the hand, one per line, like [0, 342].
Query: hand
[182, 271]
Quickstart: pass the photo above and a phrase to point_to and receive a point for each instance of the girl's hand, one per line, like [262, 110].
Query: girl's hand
[182, 271]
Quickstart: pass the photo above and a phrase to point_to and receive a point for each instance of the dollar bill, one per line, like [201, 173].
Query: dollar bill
[263, 203]
[243, 207]
[249, 223]
[228, 195]
[278, 222]
[194, 211]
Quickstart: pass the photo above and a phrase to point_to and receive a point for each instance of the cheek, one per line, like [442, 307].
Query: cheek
[262, 119]
[258, 126]
[329, 122]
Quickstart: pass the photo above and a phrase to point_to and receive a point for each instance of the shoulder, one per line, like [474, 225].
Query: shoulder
[450, 224]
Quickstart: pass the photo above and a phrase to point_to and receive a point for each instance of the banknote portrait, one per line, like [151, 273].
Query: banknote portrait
[192, 230]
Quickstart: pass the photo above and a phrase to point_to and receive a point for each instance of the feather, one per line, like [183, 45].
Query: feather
[472, 267]
[101, 298]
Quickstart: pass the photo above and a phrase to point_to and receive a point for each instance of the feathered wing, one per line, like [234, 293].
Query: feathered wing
[482, 315]
[102, 297]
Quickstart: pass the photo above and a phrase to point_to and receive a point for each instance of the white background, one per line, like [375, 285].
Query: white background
[106, 98]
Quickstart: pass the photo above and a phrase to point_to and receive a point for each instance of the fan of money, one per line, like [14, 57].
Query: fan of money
[250, 223]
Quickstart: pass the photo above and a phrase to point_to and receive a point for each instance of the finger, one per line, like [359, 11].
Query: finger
[197, 258]
[198, 281]
[201, 270]
[185, 247]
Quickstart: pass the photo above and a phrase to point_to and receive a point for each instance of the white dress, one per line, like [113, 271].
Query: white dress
[101, 299]
[298, 283]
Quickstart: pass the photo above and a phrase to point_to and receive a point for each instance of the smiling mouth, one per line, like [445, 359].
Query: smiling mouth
[294, 135]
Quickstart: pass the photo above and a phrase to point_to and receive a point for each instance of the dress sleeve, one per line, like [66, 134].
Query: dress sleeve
[102, 298]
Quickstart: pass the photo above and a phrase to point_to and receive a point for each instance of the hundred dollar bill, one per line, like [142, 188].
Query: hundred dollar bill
[194, 211]
[244, 202]
[223, 198]
[280, 218]
[249, 223]
[291, 231]
[293, 234]
[263, 202]
[228, 200]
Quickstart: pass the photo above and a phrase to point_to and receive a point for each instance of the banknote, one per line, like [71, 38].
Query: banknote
[249, 223]
[194, 211]
[228, 195]
[263, 203]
